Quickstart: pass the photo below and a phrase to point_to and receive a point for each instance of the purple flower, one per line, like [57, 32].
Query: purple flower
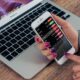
[12, 6]
[2, 11]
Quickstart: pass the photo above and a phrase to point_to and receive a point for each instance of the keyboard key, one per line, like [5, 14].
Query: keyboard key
[20, 42]
[27, 31]
[15, 46]
[25, 39]
[29, 23]
[24, 46]
[40, 11]
[44, 9]
[1, 37]
[8, 27]
[12, 35]
[23, 21]
[18, 37]
[0, 45]
[5, 53]
[14, 54]
[33, 19]
[61, 14]
[8, 44]
[31, 16]
[19, 50]
[33, 33]
[9, 57]
[14, 27]
[5, 33]
[2, 48]
[55, 12]
[66, 17]
[30, 29]
[7, 38]
[22, 34]
[27, 19]
[11, 49]
[35, 13]
[21, 29]
[13, 41]
[50, 10]
[18, 25]
[48, 5]
[55, 9]
[17, 32]
[25, 26]
[10, 30]
[2, 42]
[30, 42]
[29, 36]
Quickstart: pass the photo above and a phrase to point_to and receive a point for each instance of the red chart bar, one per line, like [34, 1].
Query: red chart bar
[49, 19]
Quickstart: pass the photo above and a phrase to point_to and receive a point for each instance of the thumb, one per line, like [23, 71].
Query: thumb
[60, 21]
[72, 57]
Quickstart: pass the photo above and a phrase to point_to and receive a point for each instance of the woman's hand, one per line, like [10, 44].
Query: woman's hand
[45, 49]
[69, 31]
[76, 68]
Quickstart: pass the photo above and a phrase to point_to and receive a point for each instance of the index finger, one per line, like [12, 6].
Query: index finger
[60, 21]
[38, 39]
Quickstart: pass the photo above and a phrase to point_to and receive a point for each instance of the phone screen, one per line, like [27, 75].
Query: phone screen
[50, 32]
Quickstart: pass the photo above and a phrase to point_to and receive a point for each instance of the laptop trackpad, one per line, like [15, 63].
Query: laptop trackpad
[30, 62]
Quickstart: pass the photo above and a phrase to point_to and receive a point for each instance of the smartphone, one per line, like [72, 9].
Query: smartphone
[49, 31]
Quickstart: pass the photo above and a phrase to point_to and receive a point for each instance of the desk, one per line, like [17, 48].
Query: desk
[53, 71]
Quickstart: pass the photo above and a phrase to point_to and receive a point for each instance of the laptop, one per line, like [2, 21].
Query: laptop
[18, 49]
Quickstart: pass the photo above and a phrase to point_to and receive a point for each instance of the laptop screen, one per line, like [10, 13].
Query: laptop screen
[8, 5]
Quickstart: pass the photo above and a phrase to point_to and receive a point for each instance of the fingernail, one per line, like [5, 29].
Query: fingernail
[37, 39]
[53, 50]
[54, 54]
[66, 54]
[47, 44]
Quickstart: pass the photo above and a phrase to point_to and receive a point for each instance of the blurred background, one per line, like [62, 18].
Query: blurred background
[8, 5]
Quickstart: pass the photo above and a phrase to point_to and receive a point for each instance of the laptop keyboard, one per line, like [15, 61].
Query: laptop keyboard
[19, 35]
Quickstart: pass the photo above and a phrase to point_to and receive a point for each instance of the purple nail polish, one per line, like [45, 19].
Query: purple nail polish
[47, 44]
[53, 50]
[54, 55]
[37, 39]
[66, 54]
